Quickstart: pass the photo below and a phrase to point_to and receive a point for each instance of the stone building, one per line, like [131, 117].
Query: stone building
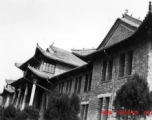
[126, 49]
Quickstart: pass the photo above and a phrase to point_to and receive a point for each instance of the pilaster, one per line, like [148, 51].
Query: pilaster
[19, 94]
[33, 92]
[24, 98]
[14, 96]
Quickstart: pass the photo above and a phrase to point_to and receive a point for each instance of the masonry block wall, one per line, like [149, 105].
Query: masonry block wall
[126, 60]
[139, 65]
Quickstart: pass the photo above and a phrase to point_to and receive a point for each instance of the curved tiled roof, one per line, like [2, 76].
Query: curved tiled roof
[9, 81]
[40, 73]
[62, 56]
[81, 52]
[9, 89]
[18, 64]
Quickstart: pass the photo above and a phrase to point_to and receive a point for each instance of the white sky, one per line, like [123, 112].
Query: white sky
[69, 23]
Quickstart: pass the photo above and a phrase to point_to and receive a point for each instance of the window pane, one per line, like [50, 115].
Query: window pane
[129, 62]
[79, 84]
[53, 69]
[90, 81]
[44, 65]
[50, 68]
[104, 65]
[110, 66]
[121, 65]
[70, 85]
[86, 82]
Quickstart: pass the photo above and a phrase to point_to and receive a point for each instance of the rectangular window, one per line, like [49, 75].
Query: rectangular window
[84, 111]
[88, 80]
[53, 69]
[59, 87]
[129, 62]
[70, 85]
[47, 67]
[121, 65]
[50, 68]
[100, 108]
[44, 65]
[110, 66]
[78, 84]
[67, 87]
[62, 87]
[104, 65]
[107, 106]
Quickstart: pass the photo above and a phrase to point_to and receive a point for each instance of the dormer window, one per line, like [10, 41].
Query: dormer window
[47, 67]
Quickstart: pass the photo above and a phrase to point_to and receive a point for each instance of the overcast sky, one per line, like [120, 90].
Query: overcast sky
[69, 23]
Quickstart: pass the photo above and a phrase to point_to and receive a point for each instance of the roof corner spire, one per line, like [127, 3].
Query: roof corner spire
[150, 6]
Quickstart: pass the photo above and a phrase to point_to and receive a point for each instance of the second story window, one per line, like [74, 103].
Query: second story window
[110, 67]
[69, 85]
[104, 69]
[121, 65]
[77, 87]
[46, 67]
[62, 86]
[129, 62]
[88, 80]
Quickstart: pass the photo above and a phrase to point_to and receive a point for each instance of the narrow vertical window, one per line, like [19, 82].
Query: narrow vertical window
[84, 111]
[100, 108]
[110, 66]
[44, 65]
[67, 87]
[90, 81]
[76, 85]
[107, 106]
[121, 65]
[79, 84]
[53, 69]
[86, 82]
[47, 67]
[70, 85]
[104, 68]
[50, 68]
[62, 86]
[129, 62]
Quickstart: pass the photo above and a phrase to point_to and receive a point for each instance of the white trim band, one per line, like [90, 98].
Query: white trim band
[85, 102]
[104, 95]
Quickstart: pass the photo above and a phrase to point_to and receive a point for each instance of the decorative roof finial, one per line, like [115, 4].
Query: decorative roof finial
[150, 6]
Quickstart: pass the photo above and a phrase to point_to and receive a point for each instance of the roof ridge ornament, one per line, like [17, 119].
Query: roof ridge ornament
[51, 47]
[150, 6]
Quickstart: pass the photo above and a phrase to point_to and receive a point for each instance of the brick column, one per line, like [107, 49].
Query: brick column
[24, 98]
[17, 101]
[32, 93]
